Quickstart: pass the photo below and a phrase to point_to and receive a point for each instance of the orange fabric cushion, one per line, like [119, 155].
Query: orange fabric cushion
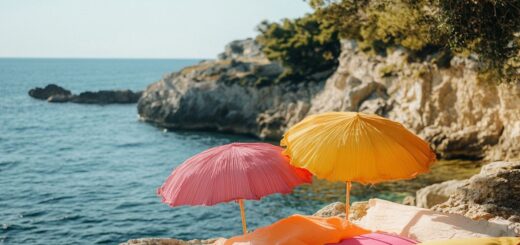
[299, 229]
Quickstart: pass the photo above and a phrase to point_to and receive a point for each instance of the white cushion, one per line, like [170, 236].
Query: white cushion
[425, 225]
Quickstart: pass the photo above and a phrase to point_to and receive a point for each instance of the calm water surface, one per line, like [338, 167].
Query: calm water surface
[87, 174]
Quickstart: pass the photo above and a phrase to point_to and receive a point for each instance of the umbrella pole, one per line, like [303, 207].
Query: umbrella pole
[347, 201]
[243, 214]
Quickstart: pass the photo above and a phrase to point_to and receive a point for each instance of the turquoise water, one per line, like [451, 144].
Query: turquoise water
[87, 174]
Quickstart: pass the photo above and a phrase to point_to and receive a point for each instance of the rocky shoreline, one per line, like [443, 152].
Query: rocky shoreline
[445, 102]
[492, 196]
[56, 94]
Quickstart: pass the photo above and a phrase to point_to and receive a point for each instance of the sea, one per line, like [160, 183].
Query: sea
[88, 174]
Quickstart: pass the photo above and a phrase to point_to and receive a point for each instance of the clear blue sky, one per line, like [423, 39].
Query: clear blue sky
[133, 28]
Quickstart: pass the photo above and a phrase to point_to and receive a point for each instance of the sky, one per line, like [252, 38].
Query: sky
[133, 28]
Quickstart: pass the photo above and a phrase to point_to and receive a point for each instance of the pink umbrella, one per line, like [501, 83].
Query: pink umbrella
[235, 171]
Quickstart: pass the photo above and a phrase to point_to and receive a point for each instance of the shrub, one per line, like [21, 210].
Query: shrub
[304, 46]
[488, 28]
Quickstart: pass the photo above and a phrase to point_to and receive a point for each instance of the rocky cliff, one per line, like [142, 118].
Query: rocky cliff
[442, 100]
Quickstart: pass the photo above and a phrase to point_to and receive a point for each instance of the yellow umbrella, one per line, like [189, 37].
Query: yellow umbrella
[359, 147]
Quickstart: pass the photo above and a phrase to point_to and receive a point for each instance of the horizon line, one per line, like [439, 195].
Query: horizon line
[103, 58]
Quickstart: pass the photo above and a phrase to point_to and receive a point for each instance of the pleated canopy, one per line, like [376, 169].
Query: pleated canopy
[230, 172]
[358, 147]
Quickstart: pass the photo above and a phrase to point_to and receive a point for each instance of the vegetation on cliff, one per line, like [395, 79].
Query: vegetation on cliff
[304, 46]
[487, 30]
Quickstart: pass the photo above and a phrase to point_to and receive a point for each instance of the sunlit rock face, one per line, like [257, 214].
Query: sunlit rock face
[459, 115]
[432, 195]
[227, 95]
[493, 194]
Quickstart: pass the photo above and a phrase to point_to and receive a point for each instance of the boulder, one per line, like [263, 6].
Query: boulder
[493, 194]
[247, 48]
[357, 210]
[432, 195]
[49, 91]
[409, 200]
[333, 209]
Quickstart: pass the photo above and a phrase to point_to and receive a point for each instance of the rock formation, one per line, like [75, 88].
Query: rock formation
[493, 194]
[167, 241]
[56, 94]
[227, 95]
[49, 91]
[107, 97]
[432, 195]
[460, 115]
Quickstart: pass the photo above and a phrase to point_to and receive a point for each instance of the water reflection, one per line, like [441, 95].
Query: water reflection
[323, 191]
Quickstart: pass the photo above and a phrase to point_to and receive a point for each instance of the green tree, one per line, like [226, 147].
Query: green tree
[304, 46]
[488, 28]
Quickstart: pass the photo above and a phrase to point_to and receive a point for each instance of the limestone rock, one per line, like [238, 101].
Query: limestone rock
[409, 200]
[168, 241]
[493, 194]
[432, 195]
[49, 91]
[247, 48]
[227, 95]
[357, 210]
[461, 116]
[155, 241]
[333, 209]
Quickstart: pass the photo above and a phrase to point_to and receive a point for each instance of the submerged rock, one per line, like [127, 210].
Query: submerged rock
[448, 106]
[51, 90]
[493, 194]
[56, 94]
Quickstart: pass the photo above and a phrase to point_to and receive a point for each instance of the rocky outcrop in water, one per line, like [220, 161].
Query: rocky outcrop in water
[493, 194]
[48, 91]
[107, 97]
[56, 94]
[447, 104]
